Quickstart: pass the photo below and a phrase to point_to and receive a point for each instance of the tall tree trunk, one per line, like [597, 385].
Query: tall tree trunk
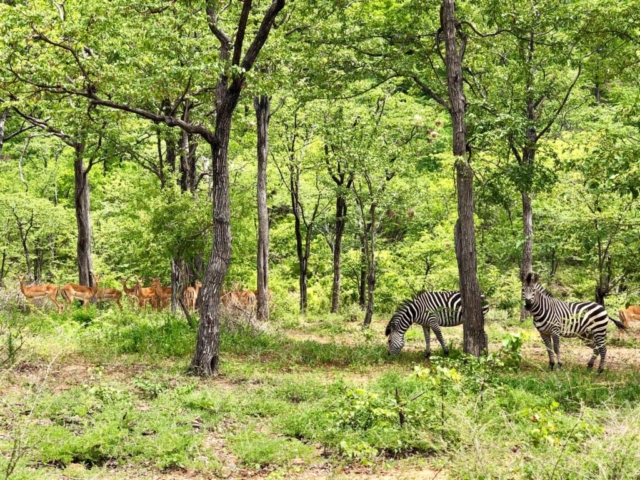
[465, 238]
[341, 214]
[261, 105]
[294, 189]
[3, 119]
[82, 206]
[206, 357]
[370, 251]
[528, 159]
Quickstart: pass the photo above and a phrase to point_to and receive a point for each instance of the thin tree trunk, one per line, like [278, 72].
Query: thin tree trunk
[82, 207]
[3, 119]
[370, 245]
[341, 214]
[261, 105]
[465, 239]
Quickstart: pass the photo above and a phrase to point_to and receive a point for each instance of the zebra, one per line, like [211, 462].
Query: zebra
[431, 310]
[554, 318]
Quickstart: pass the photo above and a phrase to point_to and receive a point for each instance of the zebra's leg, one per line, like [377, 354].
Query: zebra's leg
[547, 343]
[602, 348]
[485, 347]
[596, 352]
[436, 330]
[556, 348]
[427, 339]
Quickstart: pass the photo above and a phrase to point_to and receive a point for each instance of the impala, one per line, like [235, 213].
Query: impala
[71, 292]
[163, 294]
[145, 295]
[129, 292]
[40, 291]
[191, 296]
[109, 294]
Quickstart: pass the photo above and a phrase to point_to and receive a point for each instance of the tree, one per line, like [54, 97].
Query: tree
[465, 238]
[261, 105]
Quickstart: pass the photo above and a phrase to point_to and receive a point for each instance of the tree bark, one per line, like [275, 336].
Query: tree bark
[464, 234]
[341, 220]
[206, 357]
[82, 207]
[370, 253]
[261, 105]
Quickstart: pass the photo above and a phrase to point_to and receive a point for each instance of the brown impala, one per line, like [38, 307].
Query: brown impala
[109, 294]
[71, 292]
[145, 295]
[163, 294]
[191, 295]
[129, 292]
[40, 291]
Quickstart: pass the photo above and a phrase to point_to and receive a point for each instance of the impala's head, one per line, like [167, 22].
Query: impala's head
[21, 278]
[529, 290]
[395, 340]
[198, 284]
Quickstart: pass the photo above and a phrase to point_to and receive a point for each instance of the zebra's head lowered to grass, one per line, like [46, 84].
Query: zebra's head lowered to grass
[395, 337]
[431, 310]
[529, 290]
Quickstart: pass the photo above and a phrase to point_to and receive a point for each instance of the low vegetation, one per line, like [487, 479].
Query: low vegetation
[104, 394]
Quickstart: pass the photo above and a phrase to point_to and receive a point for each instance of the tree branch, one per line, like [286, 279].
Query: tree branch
[561, 106]
[262, 34]
[242, 26]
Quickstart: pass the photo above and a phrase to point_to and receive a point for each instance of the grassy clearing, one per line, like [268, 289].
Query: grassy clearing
[104, 395]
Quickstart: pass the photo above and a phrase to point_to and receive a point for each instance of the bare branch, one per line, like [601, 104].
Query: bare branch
[262, 34]
[561, 106]
[242, 26]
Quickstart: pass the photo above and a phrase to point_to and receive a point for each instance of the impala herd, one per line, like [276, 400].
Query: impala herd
[155, 296]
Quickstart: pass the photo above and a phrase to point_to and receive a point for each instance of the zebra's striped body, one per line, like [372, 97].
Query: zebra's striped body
[431, 310]
[554, 318]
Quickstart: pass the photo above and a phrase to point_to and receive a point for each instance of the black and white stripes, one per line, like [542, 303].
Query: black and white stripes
[554, 319]
[431, 310]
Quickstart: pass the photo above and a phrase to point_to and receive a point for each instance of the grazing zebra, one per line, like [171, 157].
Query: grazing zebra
[554, 318]
[431, 310]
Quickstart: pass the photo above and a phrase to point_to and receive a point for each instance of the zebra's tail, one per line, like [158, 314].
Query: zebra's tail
[618, 324]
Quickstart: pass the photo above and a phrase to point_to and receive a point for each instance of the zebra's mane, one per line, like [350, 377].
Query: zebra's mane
[544, 291]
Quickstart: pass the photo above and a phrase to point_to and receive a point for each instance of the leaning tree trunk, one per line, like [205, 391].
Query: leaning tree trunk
[82, 205]
[341, 214]
[206, 357]
[465, 238]
[261, 104]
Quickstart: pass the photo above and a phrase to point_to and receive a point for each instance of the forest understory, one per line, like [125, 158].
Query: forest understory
[106, 395]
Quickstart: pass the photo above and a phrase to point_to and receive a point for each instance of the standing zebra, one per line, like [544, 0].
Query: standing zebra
[432, 310]
[554, 319]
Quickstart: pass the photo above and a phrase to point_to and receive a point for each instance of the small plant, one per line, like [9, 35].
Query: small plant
[511, 351]
[149, 389]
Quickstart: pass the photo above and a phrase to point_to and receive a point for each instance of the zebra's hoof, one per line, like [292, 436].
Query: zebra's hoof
[559, 366]
[600, 370]
[590, 366]
[551, 365]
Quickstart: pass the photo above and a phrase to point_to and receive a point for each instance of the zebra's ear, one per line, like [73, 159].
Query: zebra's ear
[536, 278]
[529, 275]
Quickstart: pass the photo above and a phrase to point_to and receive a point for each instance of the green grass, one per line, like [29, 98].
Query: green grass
[282, 402]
